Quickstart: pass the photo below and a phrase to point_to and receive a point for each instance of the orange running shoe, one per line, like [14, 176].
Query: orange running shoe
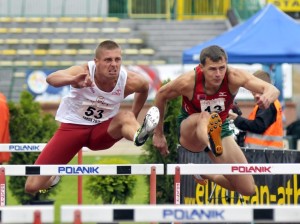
[214, 130]
[199, 180]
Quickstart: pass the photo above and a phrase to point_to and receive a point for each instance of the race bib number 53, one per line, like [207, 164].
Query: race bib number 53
[93, 112]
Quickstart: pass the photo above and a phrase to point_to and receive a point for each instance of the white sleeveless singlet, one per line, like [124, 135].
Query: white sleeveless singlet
[90, 105]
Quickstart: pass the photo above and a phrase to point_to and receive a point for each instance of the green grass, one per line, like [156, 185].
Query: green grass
[67, 193]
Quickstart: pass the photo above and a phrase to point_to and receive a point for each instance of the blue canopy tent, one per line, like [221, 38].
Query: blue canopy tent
[268, 37]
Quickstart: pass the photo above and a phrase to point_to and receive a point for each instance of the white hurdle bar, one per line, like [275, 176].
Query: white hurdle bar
[235, 169]
[27, 214]
[180, 213]
[75, 170]
[229, 169]
[79, 170]
[27, 147]
[38, 147]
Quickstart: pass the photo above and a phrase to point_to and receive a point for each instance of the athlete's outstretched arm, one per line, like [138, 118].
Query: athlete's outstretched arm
[179, 87]
[77, 76]
[265, 93]
[138, 85]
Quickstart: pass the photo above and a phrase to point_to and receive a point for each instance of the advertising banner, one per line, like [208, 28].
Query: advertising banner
[286, 5]
[270, 189]
[40, 89]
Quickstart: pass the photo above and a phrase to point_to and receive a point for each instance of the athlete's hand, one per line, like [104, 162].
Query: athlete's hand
[232, 115]
[262, 101]
[160, 143]
[82, 80]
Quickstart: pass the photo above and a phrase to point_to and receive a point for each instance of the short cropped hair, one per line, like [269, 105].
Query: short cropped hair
[265, 76]
[107, 45]
[214, 53]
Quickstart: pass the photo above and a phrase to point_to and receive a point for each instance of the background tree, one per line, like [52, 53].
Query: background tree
[165, 183]
[112, 189]
[28, 124]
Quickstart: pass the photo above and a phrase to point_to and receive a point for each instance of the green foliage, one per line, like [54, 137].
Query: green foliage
[28, 124]
[112, 189]
[165, 182]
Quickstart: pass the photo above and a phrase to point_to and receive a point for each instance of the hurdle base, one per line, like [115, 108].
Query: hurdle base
[41, 202]
[107, 222]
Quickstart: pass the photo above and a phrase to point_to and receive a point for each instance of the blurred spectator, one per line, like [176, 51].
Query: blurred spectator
[293, 131]
[4, 128]
[264, 127]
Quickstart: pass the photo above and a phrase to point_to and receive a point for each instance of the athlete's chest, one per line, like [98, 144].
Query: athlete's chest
[210, 103]
[97, 97]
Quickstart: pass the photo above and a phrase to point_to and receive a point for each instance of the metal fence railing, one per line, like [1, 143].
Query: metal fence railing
[245, 9]
[132, 9]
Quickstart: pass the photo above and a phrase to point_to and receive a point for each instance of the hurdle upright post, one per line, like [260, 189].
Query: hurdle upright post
[77, 217]
[177, 186]
[37, 217]
[79, 179]
[153, 185]
[2, 187]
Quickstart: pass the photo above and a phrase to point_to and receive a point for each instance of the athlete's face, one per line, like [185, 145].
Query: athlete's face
[214, 72]
[108, 63]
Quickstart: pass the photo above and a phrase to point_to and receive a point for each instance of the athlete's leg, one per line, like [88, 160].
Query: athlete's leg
[123, 125]
[100, 139]
[243, 184]
[62, 147]
[193, 136]
[106, 134]
[193, 132]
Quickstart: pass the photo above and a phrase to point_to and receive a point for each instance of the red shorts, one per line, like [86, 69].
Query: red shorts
[70, 138]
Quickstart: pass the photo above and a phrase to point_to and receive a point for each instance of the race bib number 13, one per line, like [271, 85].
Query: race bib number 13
[215, 105]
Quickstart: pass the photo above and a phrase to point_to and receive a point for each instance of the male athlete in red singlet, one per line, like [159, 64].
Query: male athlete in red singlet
[208, 92]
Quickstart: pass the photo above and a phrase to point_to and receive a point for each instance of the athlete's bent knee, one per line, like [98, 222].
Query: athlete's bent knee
[248, 191]
[124, 115]
[30, 188]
